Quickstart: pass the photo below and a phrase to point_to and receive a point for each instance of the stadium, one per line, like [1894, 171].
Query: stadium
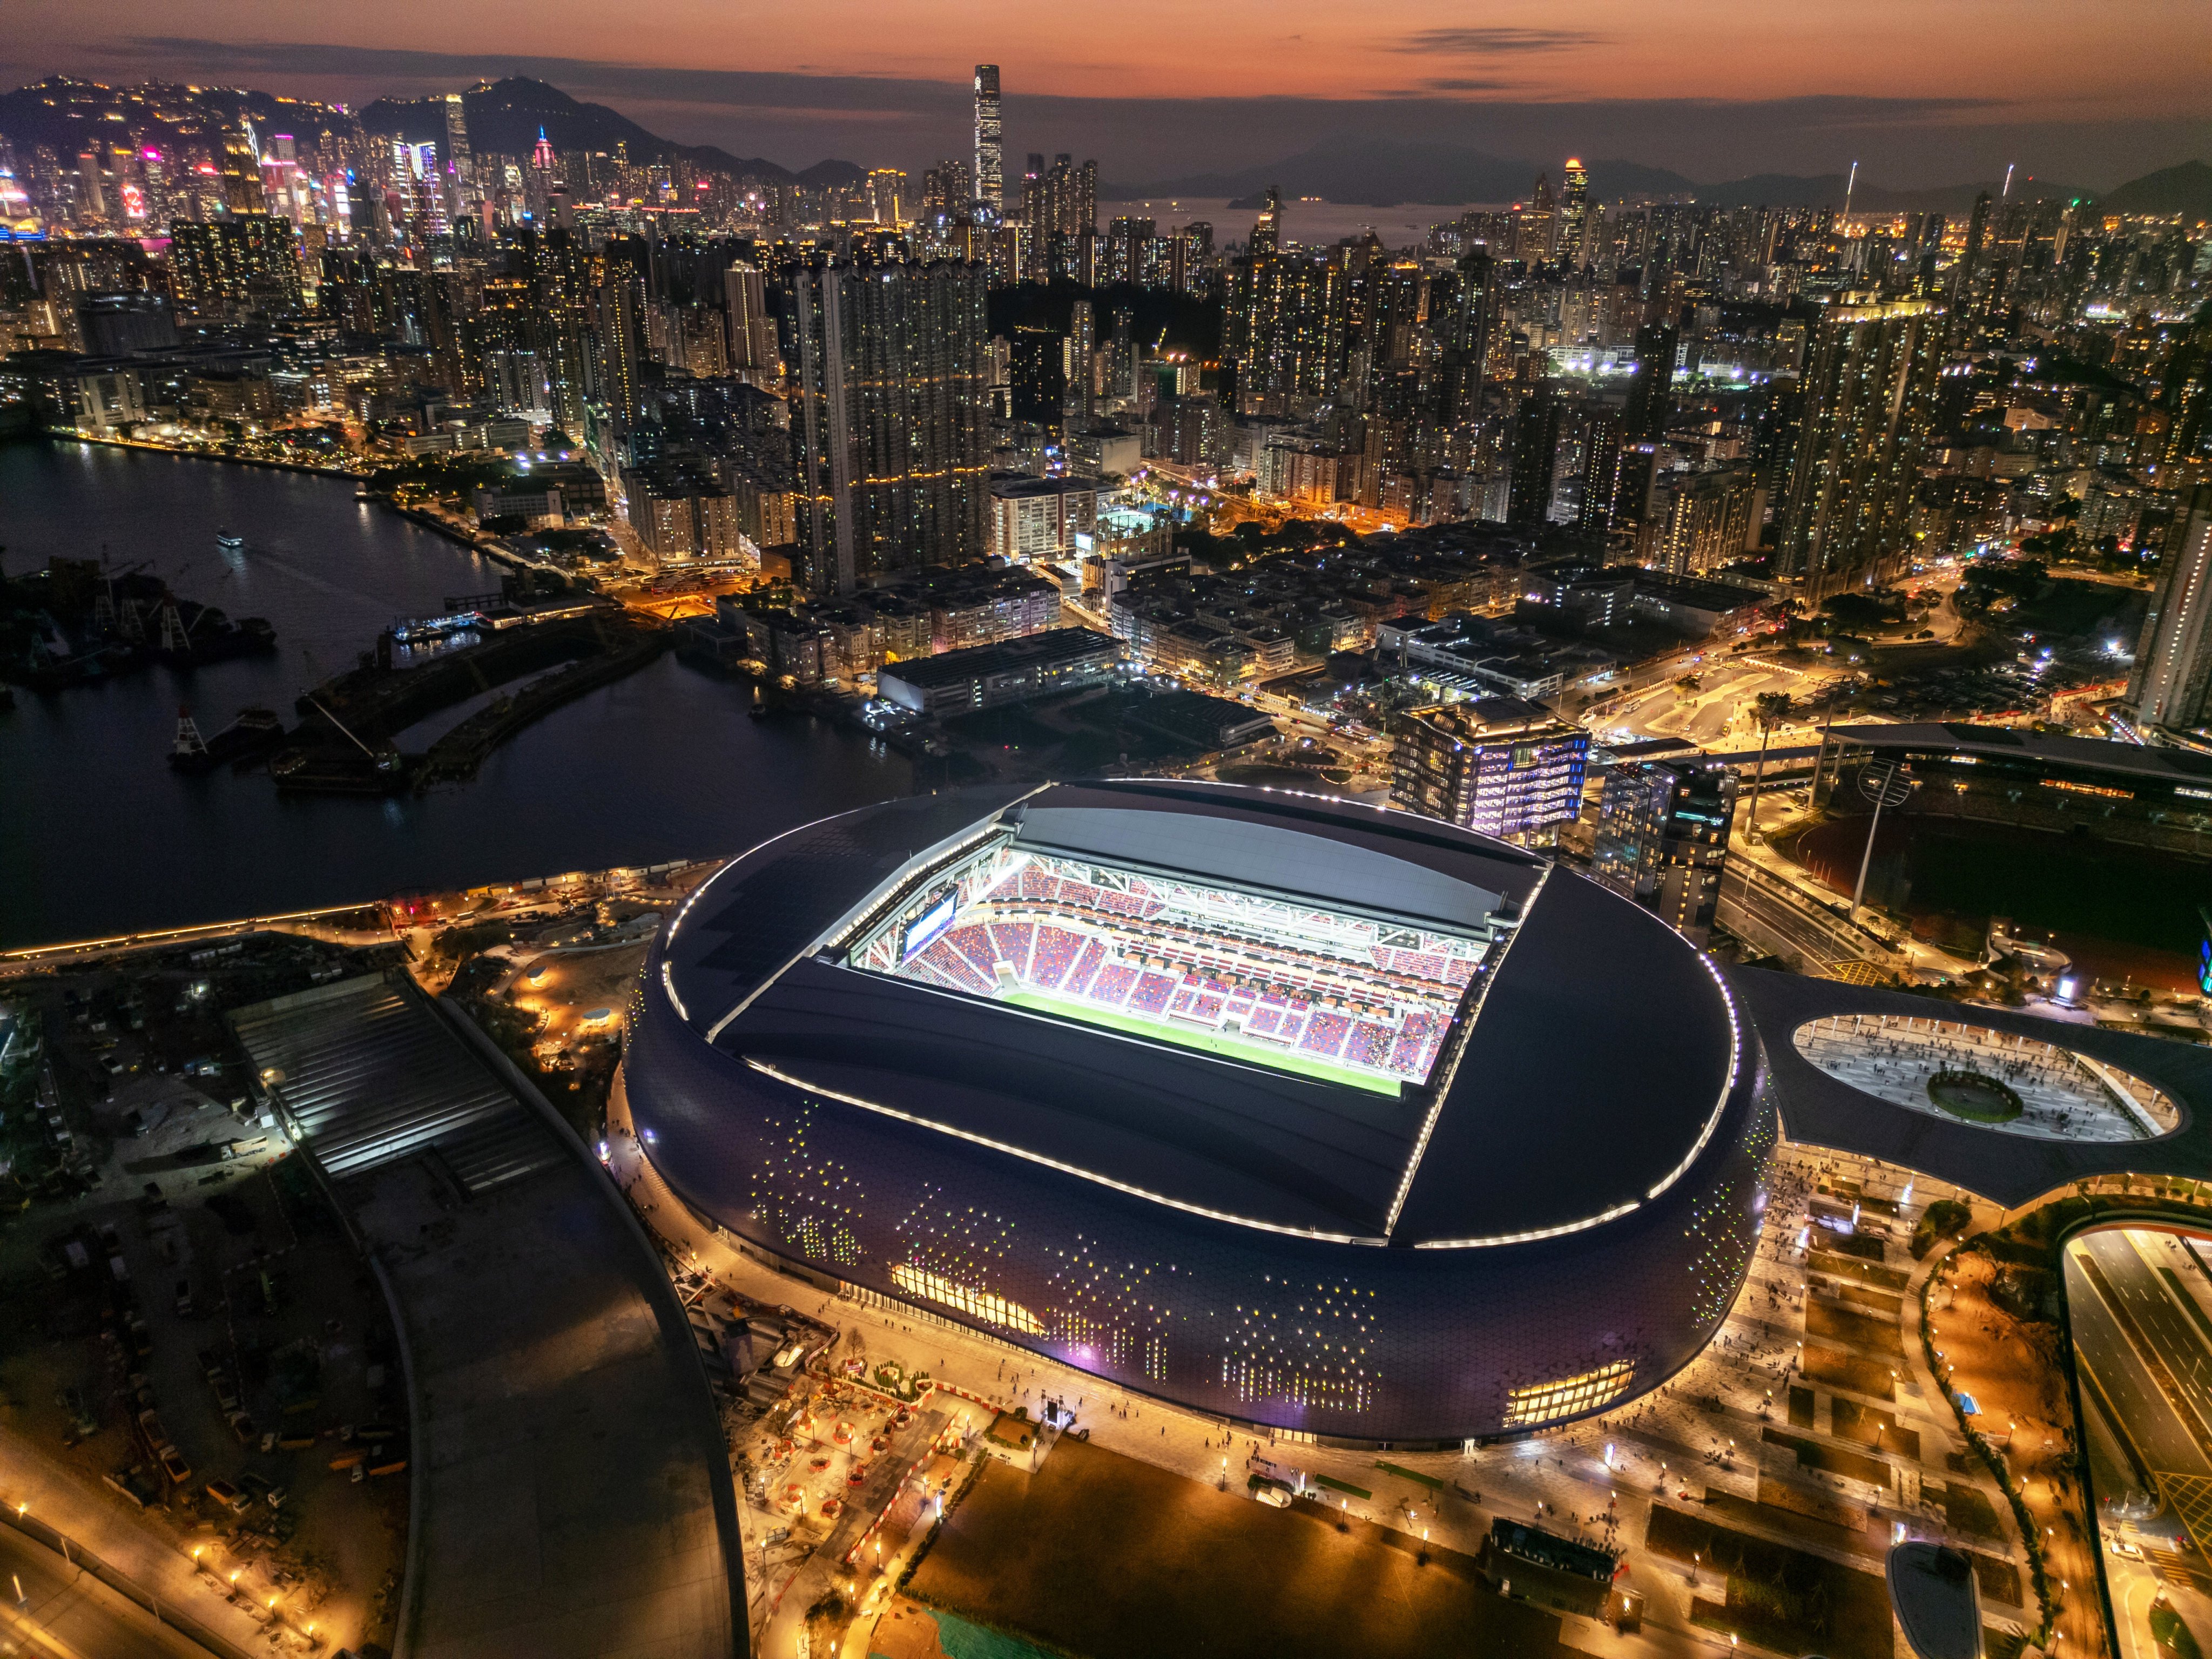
[1321, 1119]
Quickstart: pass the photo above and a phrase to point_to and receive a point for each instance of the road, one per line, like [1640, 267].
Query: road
[2131, 1324]
[64, 1614]
[2167, 1440]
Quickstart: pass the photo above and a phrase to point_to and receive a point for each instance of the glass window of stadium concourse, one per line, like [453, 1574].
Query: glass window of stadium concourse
[1543, 1402]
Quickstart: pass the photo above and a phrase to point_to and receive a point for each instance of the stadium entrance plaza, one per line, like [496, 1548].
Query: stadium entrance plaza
[1704, 1441]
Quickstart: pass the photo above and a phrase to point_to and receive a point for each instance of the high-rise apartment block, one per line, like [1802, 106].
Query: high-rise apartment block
[892, 416]
[1662, 838]
[1060, 214]
[1869, 394]
[753, 349]
[227, 269]
[2173, 673]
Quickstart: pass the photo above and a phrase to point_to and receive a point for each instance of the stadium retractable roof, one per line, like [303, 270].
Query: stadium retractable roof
[1599, 1053]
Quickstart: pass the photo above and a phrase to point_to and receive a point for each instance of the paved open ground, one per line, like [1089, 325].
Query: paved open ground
[1225, 1575]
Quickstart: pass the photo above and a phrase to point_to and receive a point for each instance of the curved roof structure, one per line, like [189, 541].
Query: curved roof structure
[1516, 1135]
[2012, 1169]
[1311, 1114]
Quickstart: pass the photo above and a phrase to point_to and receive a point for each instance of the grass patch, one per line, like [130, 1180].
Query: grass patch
[1840, 1369]
[2000, 1579]
[1965, 1510]
[1866, 1272]
[1344, 1486]
[2172, 1634]
[1864, 1246]
[1973, 1096]
[1801, 1408]
[1831, 1460]
[1872, 1427]
[1273, 1056]
[1414, 1476]
[1844, 1325]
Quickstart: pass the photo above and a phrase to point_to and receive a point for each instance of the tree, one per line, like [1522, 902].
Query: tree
[1768, 710]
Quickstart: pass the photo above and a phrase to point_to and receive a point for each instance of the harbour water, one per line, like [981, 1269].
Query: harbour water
[98, 836]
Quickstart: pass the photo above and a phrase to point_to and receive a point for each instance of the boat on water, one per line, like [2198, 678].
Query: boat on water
[230, 541]
[321, 769]
[190, 635]
[252, 732]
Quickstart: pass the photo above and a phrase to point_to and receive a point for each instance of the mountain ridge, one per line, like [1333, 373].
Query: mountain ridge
[506, 116]
[1357, 172]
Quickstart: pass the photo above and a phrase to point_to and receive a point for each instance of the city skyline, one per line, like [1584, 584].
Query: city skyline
[2085, 102]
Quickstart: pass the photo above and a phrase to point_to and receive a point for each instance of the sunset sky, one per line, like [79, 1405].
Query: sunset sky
[1923, 91]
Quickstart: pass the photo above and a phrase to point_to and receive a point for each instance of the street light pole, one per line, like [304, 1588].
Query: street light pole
[1758, 777]
[1866, 859]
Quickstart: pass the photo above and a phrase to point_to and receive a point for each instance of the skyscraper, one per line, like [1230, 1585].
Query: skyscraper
[891, 420]
[990, 146]
[1267, 228]
[1869, 386]
[1574, 216]
[2173, 661]
[241, 170]
[460, 163]
[2187, 392]
[1078, 404]
[1496, 765]
[1536, 451]
[1662, 837]
[1651, 387]
[752, 331]
[1059, 209]
[249, 262]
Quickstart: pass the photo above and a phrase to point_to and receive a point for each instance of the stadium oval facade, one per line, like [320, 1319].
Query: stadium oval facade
[1312, 1116]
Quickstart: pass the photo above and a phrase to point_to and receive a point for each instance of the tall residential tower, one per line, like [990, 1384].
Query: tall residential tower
[2173, 662]
[1869, 391]
[891, 420]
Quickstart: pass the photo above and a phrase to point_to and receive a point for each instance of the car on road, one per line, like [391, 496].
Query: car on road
[2130, 1551]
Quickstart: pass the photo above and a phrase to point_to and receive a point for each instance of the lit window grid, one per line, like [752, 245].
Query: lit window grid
[1570, 1396]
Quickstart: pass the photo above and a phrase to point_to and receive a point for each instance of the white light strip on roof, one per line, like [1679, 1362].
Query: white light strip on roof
[697, 893]
[715, 1031]
[668, 984]
[1531, 1236]
[1459, 1052]
[763, 1067]
[1727, 1084]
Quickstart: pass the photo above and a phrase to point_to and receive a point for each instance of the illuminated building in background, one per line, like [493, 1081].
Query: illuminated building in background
[990, 141]
[92, 194]
[1059, 212]
[241, 171]
[2172, 674]
[1498, 766]
[1574, 216]
[886, 189]
[1869, 394]
[753, 350]
[1662, 838]
[232, 267]
[461, 192]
